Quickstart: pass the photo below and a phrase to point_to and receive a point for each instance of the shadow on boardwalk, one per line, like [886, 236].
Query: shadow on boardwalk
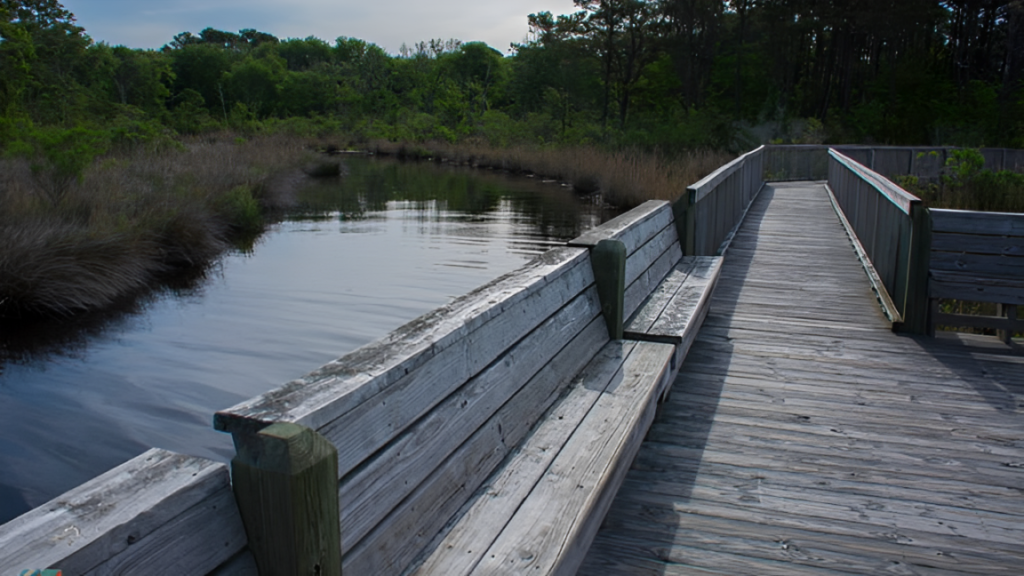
[804, 437]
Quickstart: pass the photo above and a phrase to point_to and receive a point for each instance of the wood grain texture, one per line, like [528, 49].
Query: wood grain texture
[552, 529]
[984, 223]
[409, 529]
[338, 387]
[802, 436]
[674, 312]
[381, 483]
[632, 228]
[181, 520]
[466, 542]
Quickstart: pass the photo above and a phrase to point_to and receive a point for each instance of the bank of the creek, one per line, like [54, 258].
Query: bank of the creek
[362, 255]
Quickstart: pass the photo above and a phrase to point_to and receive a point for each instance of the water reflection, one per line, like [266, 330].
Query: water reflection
[360, 256]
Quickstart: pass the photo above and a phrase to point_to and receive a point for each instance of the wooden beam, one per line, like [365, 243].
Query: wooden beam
[608, 259]
[286, 485]
[915, 313]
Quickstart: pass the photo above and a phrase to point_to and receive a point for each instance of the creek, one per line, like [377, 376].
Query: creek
[360, 256]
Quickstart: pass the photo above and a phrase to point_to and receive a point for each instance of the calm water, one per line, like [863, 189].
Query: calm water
[364, 255]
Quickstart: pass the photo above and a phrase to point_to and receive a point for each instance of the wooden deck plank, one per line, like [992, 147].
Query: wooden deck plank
[804, 437]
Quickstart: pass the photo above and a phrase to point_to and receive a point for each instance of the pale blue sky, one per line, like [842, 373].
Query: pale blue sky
[387, 23]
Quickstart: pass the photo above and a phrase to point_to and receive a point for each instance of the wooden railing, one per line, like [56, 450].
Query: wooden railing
[886, 223]
[176, 514]
[810, 161]
[977, 257]
[713, 208]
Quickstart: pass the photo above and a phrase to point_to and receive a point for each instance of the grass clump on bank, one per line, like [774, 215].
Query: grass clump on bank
[625, 178]
[84, 237]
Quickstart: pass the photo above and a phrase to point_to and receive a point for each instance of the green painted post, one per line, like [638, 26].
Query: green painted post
[285, 479]
[915, 316]
[608, 260]
[684, 214]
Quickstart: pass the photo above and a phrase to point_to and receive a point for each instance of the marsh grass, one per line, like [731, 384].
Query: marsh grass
[135, 217]
[624, 178]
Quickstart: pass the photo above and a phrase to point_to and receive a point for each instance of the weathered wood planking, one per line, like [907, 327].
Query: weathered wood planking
[633, 228]
[158, 513]
[552, 529]
[977, 256]
[652, 247]
[413, 525]
[804, 437]
[984, 223]
[431, 348]
[464, 543]
[383, 481]
[978, 244]
[674, 312]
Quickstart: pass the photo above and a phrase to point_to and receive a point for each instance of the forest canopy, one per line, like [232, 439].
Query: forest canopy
[669, 73]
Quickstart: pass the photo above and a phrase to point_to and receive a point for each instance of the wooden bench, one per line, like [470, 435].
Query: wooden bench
[541, 510]
[158, 513]
[977, 257]
[488, 435]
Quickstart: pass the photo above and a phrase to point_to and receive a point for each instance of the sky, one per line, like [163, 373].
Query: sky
[387, 23]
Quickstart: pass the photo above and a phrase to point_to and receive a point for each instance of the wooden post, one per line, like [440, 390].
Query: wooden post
[285, 479]
[684, 212]
[915, 315]
[1008, 311]
[608, 259]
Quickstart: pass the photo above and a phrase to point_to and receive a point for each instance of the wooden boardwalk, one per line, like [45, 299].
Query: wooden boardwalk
[804, 437]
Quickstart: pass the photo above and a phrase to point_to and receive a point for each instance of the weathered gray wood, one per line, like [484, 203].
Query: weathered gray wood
[608, 259]
[916, 309]
[984, 223]
[553, 528]
[379, 485]
[408, 530]
[980, 265]
[979, 244]
[285, 482]
[964, 287]
[675, 311]
[340, 386]
[645, 283]
[882, 185]
[180, 519]
[891, 309]
[803, 436]
[706, 185]
[632, 228]
[407, 387]
[476, 529]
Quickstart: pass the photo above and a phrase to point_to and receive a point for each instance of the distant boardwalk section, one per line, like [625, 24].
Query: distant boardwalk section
[804, 437]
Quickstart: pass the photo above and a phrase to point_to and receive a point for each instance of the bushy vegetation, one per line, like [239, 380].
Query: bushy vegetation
[672, 74]
[116, 168]
[965, 184]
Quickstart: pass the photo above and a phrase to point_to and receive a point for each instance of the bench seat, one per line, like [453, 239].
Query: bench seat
[540, 511]
[675, 310]
[491, 435]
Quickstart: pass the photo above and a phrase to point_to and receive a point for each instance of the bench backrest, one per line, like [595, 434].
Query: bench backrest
[421, 417]
[158, 513]
[977, 256]
[650, 235]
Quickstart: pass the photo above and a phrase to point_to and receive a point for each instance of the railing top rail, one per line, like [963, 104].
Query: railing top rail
[898, 196]
[704, 186]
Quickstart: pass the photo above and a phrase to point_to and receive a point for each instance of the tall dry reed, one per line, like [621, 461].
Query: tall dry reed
[134, 217]
[624, 178]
